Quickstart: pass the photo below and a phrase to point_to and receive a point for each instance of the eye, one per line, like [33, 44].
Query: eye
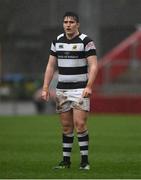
[65, 22]
[71, 22]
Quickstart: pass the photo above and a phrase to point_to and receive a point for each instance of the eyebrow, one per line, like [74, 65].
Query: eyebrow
[69, 21]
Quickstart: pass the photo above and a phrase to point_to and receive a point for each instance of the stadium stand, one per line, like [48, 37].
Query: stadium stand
[118, 81]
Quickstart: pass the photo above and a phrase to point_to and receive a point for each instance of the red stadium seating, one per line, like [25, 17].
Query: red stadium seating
[117, 61]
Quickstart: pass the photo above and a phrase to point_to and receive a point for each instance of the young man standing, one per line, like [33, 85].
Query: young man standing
[75, 55]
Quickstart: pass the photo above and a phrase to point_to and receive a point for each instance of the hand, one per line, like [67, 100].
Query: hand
[45, 95]
[87, 92]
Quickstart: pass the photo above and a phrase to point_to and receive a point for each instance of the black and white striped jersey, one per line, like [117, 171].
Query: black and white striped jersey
[71, 59]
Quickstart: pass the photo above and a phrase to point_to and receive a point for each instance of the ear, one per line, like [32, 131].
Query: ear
[78, 25]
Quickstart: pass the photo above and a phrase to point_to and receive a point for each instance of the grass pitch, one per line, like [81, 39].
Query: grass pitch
[31, 145]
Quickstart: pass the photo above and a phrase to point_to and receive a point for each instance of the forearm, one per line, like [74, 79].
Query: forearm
[91, 76]
[50, 69]
[93, 68]
[48, 76]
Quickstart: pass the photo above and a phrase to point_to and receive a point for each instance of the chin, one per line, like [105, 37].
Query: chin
[70, 33]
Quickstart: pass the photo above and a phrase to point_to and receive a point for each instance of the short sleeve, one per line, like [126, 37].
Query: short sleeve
[53, 49]
[90, 48]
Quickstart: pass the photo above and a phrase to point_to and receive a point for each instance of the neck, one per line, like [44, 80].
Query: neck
[71, 36]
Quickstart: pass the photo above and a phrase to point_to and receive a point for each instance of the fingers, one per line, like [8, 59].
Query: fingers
[86, 93]
[45, 95]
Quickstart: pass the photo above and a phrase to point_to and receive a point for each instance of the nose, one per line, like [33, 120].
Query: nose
[68, 24]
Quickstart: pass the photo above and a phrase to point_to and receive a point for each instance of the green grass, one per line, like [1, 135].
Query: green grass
[30, 146]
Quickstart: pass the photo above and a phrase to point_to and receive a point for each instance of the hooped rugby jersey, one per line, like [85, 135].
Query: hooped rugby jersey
[71, 59]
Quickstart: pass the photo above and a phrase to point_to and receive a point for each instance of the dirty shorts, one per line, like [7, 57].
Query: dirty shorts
[72, 98]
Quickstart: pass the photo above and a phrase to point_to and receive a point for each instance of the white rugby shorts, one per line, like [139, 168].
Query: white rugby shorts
[72, 98]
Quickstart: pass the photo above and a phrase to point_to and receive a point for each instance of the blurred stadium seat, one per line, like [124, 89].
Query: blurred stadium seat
[118, 83]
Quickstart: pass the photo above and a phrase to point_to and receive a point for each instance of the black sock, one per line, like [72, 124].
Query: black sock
[67, 146]
[83, 140]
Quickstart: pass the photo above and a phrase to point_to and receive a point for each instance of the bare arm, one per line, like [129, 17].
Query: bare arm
[50, 69]
[93, 68]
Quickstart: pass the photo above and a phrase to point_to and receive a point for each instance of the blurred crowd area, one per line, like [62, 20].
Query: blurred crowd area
[28, 27]
[25, 91]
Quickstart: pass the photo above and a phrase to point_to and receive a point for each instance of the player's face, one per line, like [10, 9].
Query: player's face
[70, 26]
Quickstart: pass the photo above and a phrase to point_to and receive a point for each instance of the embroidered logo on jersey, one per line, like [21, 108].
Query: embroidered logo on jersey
[61, 46]
[90, 46]
[74, 47]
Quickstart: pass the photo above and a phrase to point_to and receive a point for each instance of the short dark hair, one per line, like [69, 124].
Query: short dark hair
[71, 14]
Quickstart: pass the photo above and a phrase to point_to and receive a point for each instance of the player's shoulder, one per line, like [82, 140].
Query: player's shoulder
[85, 38]
[82, 36]
[60, 36]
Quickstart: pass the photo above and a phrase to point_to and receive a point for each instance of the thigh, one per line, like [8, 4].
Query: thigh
[79, 102]
[63, 104]
[66, 119]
